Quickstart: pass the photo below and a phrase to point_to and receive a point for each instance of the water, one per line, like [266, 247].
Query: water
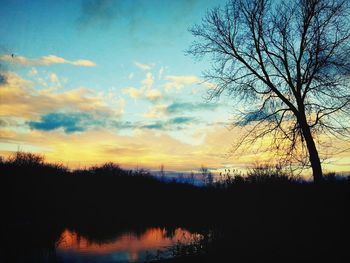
[126, 247]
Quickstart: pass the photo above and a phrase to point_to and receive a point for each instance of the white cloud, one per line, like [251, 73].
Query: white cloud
[120, 106]
[137, 93]
[45, 61]
[209, 85]
[178, 82]
[83, 63]
[53, 77]
[33, 72]
[131, 75]
[153, 94]
[161, 72]
[145, 67]
[148, 81]
[156, 111]
[133, 92]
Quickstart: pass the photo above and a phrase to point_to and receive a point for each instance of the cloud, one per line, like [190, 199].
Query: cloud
[97, 12]
[74, 110]
[161, 72]
[146, 147]
[176, 123]
[53, 77]
[80, 121]
[2, 76]
[19, 99]
[153, 94]
[188, 80]
[133, 92]
[33, 72]
[256, 116]
[162, 110]
[146, 91]
[124, 125]
[181, 120]
[177, 107]
[2, 79]
[82, 62]
[127, 150]
[140, 93]
[148, 81]
[140, 19]
[70, 122]
[178, 82]
[45, 61]
[3, 123]
[145, 67]
[156, 111]
[157, 125]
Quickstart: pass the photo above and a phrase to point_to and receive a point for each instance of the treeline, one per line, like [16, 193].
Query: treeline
[32, 188]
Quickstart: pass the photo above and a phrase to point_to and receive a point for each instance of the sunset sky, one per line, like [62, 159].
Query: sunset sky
[85, 82]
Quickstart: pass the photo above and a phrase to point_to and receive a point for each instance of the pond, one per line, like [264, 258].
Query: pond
[126, 247]
[91, 243]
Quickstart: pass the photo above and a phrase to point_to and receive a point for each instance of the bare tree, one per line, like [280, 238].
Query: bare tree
[207, 176]
[288, 63]
[161, 172]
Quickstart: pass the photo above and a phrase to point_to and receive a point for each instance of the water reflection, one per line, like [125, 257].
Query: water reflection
[127, 247]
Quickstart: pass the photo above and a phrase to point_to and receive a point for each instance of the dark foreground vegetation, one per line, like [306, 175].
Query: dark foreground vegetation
[266, 216]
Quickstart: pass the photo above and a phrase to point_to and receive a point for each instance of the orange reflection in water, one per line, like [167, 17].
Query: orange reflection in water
[151, 240]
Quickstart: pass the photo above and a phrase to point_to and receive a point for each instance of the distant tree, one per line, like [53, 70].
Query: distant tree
[207, 176]
[180, 178]
[192, 179]
[162, 173]
[288, 63]
[108, 168]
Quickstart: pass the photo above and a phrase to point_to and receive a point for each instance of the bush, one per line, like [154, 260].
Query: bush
[109, 168]
[26, 159]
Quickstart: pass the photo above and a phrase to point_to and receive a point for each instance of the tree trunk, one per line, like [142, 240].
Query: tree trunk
[313, 153]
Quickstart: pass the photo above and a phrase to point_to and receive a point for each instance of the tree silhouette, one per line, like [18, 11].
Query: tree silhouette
[287, 62]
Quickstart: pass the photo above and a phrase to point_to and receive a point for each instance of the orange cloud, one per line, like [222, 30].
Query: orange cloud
[20, 99]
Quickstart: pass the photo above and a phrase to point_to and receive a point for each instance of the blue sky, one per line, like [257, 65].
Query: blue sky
[114, 34]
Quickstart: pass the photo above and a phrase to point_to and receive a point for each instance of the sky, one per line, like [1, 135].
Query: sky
[85, 82]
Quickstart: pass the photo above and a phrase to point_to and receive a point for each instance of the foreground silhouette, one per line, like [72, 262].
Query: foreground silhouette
[266, 217]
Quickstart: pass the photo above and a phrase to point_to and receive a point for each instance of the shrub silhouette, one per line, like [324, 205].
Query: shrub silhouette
[26, 159]
[262, 174]
[109, 168]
